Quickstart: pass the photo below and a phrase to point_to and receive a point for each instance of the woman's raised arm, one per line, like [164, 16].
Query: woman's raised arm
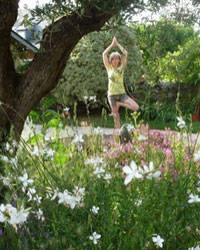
[106, 51]
[124, 60]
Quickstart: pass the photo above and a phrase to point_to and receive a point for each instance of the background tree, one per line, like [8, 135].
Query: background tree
[156, 39]
[182, 66]
[71, 20]
[85, 74]
[185, 12]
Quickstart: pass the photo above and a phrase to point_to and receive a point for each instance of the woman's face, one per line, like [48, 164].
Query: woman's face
[115, 61]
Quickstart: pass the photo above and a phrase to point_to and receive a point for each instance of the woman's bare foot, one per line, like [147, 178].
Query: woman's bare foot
[113, 114]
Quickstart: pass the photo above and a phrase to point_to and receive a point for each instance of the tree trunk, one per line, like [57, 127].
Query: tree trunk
[8, 76]
[20, 93]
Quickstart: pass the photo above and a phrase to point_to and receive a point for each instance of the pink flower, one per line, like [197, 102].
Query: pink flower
[168, 152]
[162, 170]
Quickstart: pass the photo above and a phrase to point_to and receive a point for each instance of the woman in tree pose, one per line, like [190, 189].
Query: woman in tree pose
[117, 96]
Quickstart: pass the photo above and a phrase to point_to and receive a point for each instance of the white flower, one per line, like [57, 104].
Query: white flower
[25, 180]
[99, 171]
[132, 172]
[181, 123]
[5, 180]
[48, 195]
[194, 248]
[2, 208]
[149, 171]
[138, 151]
[107, 177]
[68, 199]
[66, 109]
[85, 97]
[98, 131]
[146, 169]
[116, 164]
[9, 147]
[158, 241]
[138, 202]
[63, 196]
[14, 143]
[79, 191]
[37, 199]
[11, 215]
[154, 175]
[78, 138]
[14, 160]
[129, 127]
[55, 194]
[72, 201]
[40, 215]
[193, 198]
[197, 156]
[94, 161]
[2, 217]
[50, 152]
[30, 193]
[38, 151]
[94, 210]
[5, 158]
[142, 138]
[105, 150]
[95, 237]
[18, 217]
[60, 125]
[93, 98]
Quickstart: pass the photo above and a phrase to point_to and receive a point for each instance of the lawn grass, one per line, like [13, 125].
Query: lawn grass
[96, 120]
[172, 125]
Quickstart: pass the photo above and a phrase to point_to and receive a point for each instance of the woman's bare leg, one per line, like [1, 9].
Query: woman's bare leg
[115, 112]
[129, 103]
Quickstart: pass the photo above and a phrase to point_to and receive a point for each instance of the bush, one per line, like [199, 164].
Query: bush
[85, 74]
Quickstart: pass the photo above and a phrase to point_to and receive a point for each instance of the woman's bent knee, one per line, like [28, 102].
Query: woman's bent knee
[137, 107]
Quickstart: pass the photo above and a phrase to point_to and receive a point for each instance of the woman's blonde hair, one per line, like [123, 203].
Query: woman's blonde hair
[114, 54]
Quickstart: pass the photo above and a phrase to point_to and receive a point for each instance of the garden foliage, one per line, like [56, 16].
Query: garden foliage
[85, 74]
[165, 52]
[91, 192]
[156, 40]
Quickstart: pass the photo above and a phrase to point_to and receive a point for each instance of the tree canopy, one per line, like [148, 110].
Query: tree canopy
[69, 21]
[157, 39]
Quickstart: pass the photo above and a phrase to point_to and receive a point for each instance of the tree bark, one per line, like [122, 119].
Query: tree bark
[20, 93]
[8, 76]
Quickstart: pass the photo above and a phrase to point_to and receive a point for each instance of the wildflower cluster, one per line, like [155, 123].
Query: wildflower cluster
[69, 199]
[12, 215]
[43, 151]
[104, 208]
[133, 171]
[99, 168]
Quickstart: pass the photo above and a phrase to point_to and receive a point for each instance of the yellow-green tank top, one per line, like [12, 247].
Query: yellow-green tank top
[115, 81]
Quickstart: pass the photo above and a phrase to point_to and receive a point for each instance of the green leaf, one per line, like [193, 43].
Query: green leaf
[48, 102]
[35, 139]
[53, 123]
[35, 116]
